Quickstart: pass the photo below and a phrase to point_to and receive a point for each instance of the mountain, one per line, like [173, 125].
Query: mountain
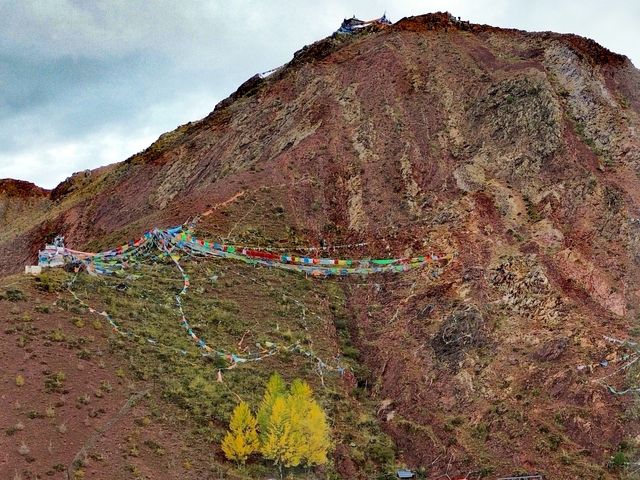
[517, 153]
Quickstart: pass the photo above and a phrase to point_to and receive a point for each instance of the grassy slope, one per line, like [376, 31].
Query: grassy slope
[184, 397]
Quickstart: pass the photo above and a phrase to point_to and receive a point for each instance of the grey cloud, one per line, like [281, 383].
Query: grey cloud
[74, 72]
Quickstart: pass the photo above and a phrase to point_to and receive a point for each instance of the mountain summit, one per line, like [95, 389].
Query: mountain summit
[516, 153]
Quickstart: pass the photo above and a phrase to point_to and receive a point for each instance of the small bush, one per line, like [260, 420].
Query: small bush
[480, 431]
[350, 351]
[84, 354]
[14, 295]
[54, 382]
[619, 460]
[78, 322]
[46, 282]
[57, 336]
[381, 451]
[105, 386]
[143, 421]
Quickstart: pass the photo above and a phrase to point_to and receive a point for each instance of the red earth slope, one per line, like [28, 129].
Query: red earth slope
[517, 151]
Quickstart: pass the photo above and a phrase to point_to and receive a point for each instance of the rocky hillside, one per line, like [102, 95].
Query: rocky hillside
[20, 199]
[518, 152]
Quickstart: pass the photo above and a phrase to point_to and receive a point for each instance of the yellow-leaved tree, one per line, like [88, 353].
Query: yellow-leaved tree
[292, 426]
[242, 438]
[282, 443]
[295, 431]
[276, 388]
[312, 425]
[316, 435]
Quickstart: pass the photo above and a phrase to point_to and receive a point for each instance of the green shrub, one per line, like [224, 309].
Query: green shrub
[14, 295]
[381, 451]
[350, 351]
[54, 382]
[618, 460]
[47, 282]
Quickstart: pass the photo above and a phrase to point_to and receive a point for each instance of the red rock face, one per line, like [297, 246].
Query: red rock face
[517, 151]
[20, 189]
[20, 200]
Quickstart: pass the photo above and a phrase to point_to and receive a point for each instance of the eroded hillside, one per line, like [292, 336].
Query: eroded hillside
[517, 152]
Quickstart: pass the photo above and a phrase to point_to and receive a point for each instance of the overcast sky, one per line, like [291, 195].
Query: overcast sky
[84, 83]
